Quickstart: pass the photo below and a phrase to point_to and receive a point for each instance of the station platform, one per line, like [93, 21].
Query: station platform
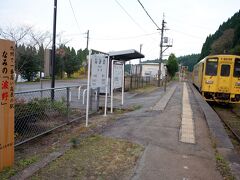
[180, 132]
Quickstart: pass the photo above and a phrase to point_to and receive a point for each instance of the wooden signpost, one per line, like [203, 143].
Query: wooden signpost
[7, 61]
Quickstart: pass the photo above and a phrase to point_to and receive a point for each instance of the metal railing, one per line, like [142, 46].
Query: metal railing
[36, 113]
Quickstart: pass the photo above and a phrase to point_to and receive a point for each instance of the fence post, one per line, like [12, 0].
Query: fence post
[70, 95]
[84, 92]
[79, 92]
[131, 82]
[90, 99]
[68, 103]
[124, 82]
[41, 85]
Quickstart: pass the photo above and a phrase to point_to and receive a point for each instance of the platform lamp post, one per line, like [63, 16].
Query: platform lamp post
[54, 49]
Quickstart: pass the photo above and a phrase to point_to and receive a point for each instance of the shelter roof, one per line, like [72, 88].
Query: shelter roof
[125, 55]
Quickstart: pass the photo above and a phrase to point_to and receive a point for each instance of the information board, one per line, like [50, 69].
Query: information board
[7, 61]
[98, 70]
[117, 75]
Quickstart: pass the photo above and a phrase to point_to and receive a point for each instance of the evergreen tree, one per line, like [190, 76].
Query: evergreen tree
[41, 59]
[225, 40]
[29, 63]
[71, 63]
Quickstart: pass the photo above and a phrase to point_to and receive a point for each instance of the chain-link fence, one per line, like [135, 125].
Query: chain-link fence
[40, 111]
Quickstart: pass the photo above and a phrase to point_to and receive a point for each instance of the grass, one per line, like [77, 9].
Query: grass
[96, 157]
[223, 167]
[18, 166]
[145, 89]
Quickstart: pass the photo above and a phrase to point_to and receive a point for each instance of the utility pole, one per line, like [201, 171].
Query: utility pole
[160, 54]
[140, 66]
[161, 49]
[140, 52]
[87, 39]
[54, 49]
[86, 66]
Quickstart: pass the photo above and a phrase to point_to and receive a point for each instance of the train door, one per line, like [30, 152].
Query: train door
[224, 79]
[236, 79]
[201, 76]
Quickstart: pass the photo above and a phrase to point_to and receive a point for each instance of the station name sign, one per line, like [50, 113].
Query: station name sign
[99, 67]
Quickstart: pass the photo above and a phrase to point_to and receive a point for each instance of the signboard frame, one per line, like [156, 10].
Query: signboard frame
[112, 82]
[89, 83]
[7, 69]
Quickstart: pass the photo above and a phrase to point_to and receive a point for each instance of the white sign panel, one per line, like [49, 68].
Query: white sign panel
[117, 75]
[98, 70]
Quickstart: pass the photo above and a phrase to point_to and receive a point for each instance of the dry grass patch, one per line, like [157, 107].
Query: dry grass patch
[95, 157]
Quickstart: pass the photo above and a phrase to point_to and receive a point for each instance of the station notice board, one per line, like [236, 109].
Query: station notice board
[7, 61]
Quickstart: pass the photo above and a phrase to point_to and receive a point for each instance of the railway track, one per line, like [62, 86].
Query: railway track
[230, 115]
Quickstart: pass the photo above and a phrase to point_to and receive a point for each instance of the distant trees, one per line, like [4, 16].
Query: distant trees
[172, 65]
[67, 60]
[189, 60]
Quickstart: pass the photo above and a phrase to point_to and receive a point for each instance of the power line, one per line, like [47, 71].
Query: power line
[129, 15]
[123, 38]
[189, 35]
[74, 15]
[148, 15]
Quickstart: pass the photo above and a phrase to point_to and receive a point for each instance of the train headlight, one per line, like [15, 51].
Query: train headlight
[209, 81]
[237, 84]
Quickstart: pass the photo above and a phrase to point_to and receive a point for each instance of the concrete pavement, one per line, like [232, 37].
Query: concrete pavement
[165, 157]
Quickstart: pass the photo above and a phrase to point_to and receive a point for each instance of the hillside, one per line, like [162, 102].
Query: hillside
[225, 40]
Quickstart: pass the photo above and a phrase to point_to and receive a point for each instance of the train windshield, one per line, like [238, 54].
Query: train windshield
[236, 72]
[225, 70]
[211, 67]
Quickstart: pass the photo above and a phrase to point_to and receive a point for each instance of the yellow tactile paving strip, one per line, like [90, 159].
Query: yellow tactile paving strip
[187, 134]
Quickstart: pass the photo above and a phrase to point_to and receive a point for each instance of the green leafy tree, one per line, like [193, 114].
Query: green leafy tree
[172, 65]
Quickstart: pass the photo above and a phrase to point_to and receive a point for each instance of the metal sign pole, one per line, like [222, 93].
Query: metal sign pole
[112, 86]
[88, 86]
[123, 83]
[106, 88]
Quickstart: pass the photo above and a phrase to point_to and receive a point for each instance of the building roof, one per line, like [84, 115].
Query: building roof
[150, 63]
[126, 55]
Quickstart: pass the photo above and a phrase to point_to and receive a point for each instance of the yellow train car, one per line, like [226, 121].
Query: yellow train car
[218, 78]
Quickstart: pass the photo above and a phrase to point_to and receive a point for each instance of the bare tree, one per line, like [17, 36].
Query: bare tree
[40, 39]
[19, 35]
[26, 35]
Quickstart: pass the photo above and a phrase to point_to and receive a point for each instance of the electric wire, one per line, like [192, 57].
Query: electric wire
[189, 35]
[148, 15]
[74, 16]
[124, 38]
[130, 16]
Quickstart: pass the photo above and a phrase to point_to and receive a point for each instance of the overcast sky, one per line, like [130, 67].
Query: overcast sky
[122, 24]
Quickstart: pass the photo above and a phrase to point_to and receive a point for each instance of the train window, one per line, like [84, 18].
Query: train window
[225, 70]
[236, 72]
[211, 67]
